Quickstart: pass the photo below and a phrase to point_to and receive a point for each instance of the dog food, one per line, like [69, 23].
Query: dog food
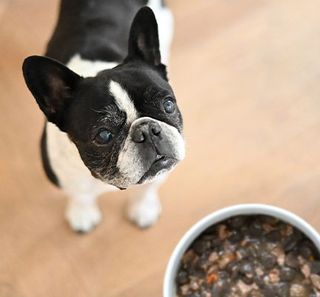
[250, 256]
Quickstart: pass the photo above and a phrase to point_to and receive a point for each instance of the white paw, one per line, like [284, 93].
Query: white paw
[144, 213]
[83, 218]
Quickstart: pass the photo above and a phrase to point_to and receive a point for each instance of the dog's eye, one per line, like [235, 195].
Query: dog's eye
[103, 137]
[169, 106]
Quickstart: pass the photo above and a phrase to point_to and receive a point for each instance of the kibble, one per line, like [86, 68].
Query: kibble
[250, 256]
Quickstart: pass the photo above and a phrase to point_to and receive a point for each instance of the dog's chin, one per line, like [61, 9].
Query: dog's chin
[160, 166]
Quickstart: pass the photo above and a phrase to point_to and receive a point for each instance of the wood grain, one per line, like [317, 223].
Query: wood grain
[246, 74]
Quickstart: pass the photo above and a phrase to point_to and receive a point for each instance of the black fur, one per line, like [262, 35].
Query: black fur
[82, 106]
[148, 90]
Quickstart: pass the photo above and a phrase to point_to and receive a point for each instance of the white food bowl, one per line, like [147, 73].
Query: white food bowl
[169, 286]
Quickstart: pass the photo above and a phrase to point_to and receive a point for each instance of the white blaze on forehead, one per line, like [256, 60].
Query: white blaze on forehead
[123, 101]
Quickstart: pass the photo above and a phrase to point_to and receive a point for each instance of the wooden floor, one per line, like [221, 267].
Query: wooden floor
[247, 76]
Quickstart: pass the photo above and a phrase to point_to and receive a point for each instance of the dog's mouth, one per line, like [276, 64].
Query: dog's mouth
[160, 164]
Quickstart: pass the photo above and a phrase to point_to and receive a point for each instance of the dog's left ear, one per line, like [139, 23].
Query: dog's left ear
[144, 39]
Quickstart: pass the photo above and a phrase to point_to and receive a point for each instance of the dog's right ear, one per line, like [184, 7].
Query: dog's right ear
[51, 83]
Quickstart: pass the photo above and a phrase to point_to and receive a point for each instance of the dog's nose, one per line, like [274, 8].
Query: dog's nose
[146, 130]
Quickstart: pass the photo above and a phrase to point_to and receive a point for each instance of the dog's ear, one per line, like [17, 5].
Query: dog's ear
[51, 83]
[143, 38]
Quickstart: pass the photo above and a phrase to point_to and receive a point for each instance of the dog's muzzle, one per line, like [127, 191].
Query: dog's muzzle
[152, 147]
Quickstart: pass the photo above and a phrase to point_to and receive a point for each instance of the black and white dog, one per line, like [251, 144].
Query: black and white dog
[112, 117]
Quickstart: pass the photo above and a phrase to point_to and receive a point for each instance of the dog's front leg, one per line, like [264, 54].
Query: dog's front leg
[144, 207]
[82, 211]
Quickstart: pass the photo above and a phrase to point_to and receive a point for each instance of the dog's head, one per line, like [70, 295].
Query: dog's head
[124, 121]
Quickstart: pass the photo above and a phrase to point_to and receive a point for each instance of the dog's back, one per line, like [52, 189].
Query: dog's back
[99, 29]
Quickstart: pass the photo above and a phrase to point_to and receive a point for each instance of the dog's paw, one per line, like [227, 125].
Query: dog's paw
[144, 213]
[83, 218]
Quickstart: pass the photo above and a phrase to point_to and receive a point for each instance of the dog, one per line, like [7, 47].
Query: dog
[112, 120]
